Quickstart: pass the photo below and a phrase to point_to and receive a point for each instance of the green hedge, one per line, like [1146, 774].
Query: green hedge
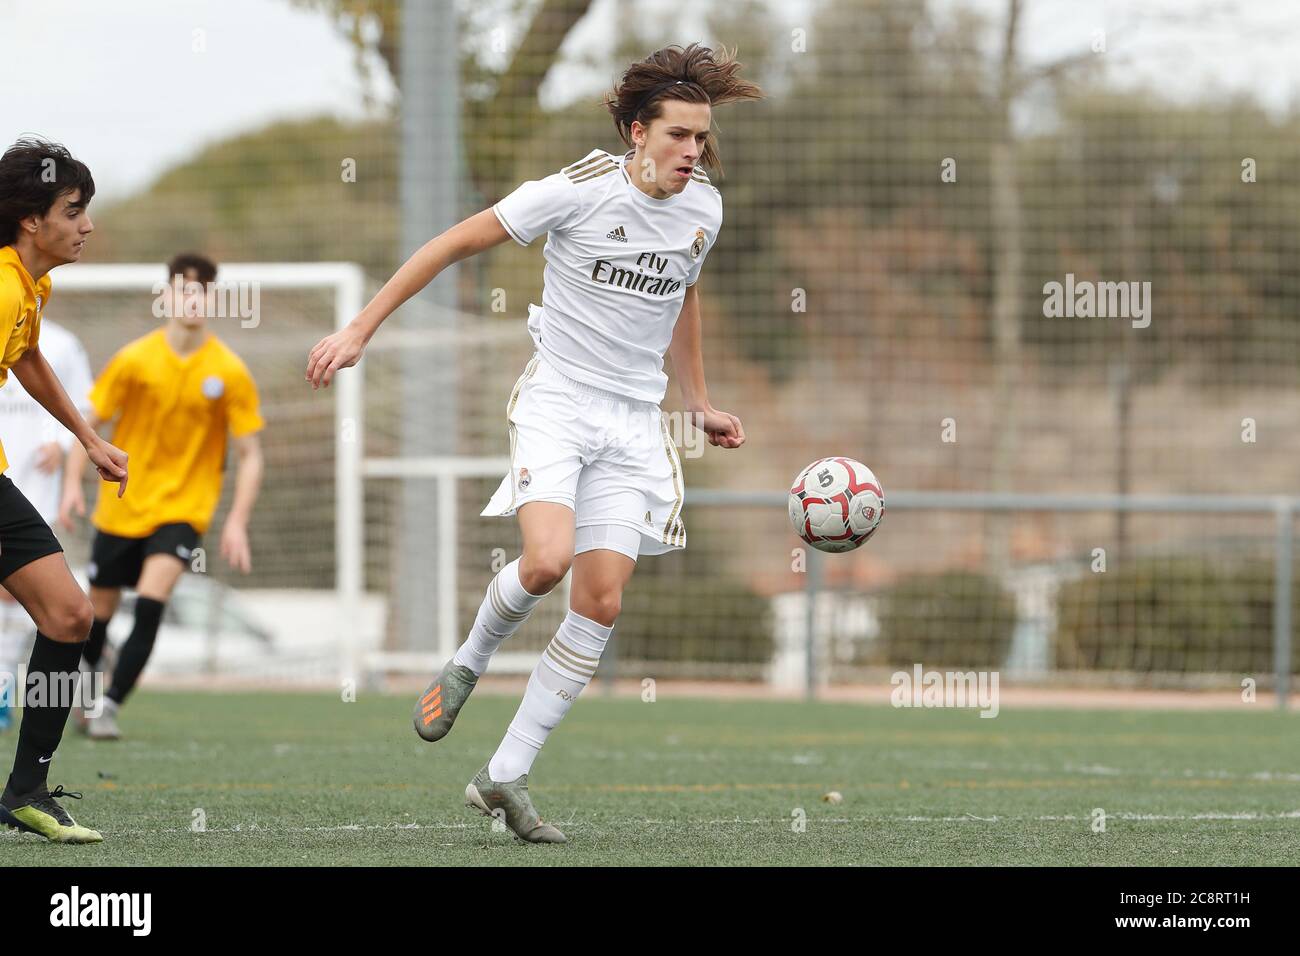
[954, 619]
[694, 619]
[1170, 614]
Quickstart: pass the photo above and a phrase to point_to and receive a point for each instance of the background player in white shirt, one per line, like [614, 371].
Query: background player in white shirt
[594, 477]
[37, 447]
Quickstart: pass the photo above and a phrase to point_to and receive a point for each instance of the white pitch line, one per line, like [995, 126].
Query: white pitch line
[256, 830]
[973, 818]
[1182, 817]
[1099, 770]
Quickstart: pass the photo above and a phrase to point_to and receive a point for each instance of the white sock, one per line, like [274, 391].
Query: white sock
[505, 606]
[567, 666]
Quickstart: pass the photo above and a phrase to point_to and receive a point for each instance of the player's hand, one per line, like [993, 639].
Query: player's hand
[234, 546]
[73, 502]
[723, 428]
[49, 457]
[341, 350]
[109, 461]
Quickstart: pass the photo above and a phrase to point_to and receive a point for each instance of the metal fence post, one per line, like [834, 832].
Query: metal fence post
[812, 586]
[1282, 601]
[216, 598]
[448, 611]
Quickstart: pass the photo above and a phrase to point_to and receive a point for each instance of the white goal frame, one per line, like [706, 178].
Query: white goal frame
[347, 282]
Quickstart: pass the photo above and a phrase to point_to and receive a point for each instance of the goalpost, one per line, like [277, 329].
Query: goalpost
[344, 282]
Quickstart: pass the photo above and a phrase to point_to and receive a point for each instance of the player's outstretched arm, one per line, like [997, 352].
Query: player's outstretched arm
[343, 349]
[43, 385]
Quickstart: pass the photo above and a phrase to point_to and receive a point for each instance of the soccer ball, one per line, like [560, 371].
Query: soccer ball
[836, 504]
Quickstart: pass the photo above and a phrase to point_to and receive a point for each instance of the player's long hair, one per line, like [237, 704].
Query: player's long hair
[706, 77]
[34, 173]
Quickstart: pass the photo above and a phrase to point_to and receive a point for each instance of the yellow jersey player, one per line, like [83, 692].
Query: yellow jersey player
[36, 448]
[594, 477]
[44, 223]
[176, 394]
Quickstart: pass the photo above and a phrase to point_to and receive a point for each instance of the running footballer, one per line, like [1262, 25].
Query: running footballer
[594, 478]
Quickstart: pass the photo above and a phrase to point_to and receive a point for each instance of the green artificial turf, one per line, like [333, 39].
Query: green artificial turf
[308, 779]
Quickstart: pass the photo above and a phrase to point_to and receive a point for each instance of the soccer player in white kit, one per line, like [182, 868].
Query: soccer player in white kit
[594, 477]
[37, 447]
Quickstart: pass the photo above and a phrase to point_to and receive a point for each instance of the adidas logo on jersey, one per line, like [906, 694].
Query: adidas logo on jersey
[617, 234]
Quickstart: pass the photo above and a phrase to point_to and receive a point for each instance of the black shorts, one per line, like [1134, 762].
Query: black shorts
[115, 562]
[24, 535]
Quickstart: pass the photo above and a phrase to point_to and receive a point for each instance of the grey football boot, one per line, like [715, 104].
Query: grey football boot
[437, 707]
[510, 802]
[104, 725]
[96, 677]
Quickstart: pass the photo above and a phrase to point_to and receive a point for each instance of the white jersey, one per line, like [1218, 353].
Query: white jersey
[25, 425]
[617, 267]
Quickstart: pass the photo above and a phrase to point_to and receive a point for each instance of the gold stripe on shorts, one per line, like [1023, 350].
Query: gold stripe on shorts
[671, 526]
[528, 371]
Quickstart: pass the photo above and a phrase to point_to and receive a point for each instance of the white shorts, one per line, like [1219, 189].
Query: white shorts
[609, 458]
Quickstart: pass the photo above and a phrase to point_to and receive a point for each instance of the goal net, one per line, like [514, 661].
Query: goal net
[301, 613]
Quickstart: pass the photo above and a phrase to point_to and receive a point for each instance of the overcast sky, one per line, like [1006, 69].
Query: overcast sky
[124, 86]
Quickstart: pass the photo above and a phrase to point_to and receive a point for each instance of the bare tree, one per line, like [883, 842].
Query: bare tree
[496, 125]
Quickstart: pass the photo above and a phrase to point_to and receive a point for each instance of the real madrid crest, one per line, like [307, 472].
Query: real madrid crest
[524, 479]
[213, 387]
[698, 245]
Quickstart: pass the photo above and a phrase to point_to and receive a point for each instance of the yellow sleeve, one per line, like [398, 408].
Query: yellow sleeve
[109, 393]
[33, 337]
[242, 406]
[11, 304]
[12, 342]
